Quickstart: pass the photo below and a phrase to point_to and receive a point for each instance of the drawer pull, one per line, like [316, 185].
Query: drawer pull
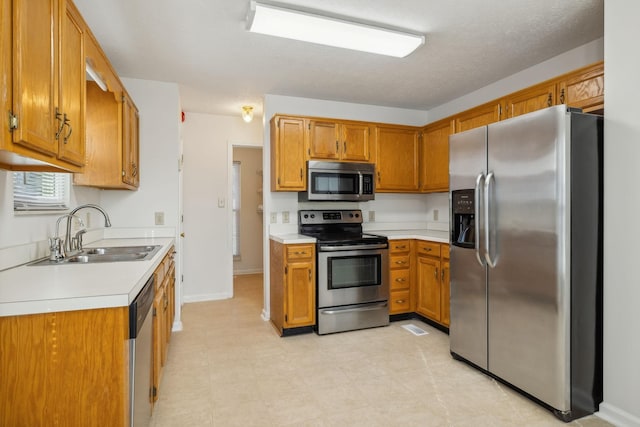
[401, 262]
[299, 253]
[426, 249]
[400, 301]
[401, 247]
[400, 279]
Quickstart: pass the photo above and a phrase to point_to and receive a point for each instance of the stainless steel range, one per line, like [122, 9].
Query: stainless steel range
[352, 269]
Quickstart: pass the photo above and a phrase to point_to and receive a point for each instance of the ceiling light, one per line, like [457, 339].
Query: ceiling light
[331, 31]
[247, 113]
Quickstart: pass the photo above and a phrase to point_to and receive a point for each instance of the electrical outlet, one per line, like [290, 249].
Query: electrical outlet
[285, 217]
[435, 214]
[372, 216]
[159, 217]
[274, 217]
[221, 202]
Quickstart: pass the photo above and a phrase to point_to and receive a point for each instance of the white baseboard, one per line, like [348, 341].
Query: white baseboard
[265, 315]
[177, 326]
[247, 271]
[616, 416]
[206, 297]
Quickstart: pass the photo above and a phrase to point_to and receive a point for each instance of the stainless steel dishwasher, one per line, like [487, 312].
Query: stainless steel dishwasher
[140, 355]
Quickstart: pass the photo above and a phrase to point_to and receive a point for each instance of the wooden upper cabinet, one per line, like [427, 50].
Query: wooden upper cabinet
[530, 99]
[583, 88]
[333, 140]
[5, 74]
[112, 128]
[355, 138]
[130, 143]
[397, 159]
[48, 87]
[288, 159]
[479, 116]
[324, 140]
[434, 156]
[72, 85]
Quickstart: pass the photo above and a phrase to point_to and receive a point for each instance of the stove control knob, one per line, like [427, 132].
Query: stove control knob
[306, 216]
[351, 215]
[313, 215]
[357, 215]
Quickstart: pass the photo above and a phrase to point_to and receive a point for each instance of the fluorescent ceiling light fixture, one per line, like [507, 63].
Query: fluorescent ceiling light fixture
[275, 20]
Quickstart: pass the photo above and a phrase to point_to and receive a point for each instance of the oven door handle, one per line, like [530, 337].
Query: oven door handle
[328, 248]
[367, 307]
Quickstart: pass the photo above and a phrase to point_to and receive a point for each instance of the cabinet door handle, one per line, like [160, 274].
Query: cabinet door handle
[345, 146]
[67, 122]
[337, 146]
[378, 176]
[436, 273]
[442, 275]
[59, 119]
[549, 99]
[309, 275]
[300, 175]
[562, 96]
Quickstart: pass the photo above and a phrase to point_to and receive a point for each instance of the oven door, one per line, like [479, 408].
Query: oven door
[352, 276]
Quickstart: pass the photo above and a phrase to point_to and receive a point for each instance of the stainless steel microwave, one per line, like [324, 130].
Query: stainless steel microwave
[339, 181]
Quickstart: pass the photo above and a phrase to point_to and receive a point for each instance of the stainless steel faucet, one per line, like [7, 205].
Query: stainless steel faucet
[76, 243]
[56, 244]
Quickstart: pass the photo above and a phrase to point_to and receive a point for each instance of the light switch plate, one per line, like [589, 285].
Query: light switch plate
[159, 218]
[274, 217]
[285, 217]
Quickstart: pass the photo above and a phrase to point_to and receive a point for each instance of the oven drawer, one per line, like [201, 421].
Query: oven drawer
[400, 279]
[399, 302]
[351, 317]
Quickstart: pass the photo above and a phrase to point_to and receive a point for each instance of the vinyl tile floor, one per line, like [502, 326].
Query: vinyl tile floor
[228, 367]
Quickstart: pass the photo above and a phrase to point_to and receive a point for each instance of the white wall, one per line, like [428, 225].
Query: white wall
[621, 231]
[208, 261]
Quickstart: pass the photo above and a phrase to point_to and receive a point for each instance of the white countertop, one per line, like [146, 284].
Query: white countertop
[419, 234]
[67, 287]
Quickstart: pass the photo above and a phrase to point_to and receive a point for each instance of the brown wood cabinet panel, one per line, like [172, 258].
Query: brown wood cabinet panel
[288, 159]
[6, 38]
[400, 279]
[584, 88]
[71, 142]
[399, 261]
[399, 302]
[428, 287]
[434, 156]
[324, 140]
[397, 159]
[58, 367]
[355, 138]
[479, 116]
[276, 284]
[300, 308]
[531, 99]
[399, 246]
[428, 248]
[130, 143]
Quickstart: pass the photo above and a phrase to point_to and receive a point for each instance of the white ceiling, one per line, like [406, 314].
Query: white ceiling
[204, 47]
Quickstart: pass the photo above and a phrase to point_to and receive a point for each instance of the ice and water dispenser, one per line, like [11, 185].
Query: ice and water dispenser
[463, 230]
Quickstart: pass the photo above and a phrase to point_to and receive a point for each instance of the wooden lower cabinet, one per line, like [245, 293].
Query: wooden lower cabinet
[432, 281]
[65, 368]
[292, 285]
[163, 314]
[400, 279]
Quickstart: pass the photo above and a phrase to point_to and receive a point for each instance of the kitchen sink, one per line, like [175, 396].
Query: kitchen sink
[105, 254]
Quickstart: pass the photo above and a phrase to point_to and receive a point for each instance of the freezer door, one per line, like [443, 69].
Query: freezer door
[468, 327]
[528, 289]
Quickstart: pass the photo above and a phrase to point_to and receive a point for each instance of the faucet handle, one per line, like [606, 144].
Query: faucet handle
[56, 249]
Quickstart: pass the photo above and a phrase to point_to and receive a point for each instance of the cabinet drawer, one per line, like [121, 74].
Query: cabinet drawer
[399, 302]
[299, 252]
[399, 246]
[400, 279]
[400, 261]
[428, 248]
[445, 251]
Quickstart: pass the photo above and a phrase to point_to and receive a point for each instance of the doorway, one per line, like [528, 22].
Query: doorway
[247, 211]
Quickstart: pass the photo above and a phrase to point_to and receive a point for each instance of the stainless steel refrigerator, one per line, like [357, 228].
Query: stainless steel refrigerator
[526, 255]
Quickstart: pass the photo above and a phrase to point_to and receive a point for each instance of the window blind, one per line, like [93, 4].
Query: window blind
[41, 191]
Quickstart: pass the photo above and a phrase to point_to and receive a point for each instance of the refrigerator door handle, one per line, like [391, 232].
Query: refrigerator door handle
[488, 184]
[478, 210]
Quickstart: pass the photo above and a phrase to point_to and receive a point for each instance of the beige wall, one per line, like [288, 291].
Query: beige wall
[250, 217]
